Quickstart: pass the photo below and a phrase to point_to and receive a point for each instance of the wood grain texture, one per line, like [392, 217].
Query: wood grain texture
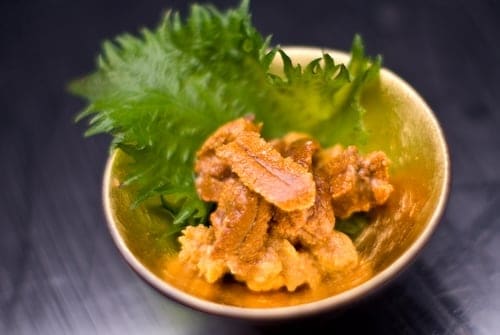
[61, 274]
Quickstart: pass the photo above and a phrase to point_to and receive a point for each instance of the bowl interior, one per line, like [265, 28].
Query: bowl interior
[399, 123]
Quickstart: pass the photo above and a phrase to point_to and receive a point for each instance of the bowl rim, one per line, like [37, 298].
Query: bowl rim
[315, 307]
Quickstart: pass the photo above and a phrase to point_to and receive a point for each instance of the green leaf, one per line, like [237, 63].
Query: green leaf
[352, 226]
[162, 93]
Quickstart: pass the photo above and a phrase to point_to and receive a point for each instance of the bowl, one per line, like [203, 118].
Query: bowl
[399, 122]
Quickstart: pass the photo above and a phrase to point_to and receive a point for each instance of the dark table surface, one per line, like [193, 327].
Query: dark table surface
[59, 270]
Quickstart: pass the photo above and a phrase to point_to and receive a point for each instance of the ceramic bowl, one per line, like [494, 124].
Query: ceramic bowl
[399, 122]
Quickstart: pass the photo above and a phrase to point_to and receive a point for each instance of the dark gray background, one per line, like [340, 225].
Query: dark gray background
[59, 270]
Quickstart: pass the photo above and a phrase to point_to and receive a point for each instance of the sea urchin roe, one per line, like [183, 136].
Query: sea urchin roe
[357, 183]
[212, 170]
[276, 205]
[240, 221]
[281, 181]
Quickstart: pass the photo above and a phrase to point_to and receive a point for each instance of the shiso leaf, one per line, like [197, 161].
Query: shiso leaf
[162, 93]
[353, 225]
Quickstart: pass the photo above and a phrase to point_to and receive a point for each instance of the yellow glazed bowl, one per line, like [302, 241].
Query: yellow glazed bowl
[399, 122]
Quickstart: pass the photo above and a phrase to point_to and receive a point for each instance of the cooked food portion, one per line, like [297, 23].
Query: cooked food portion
[281, 181]
[276, 205]
[357, 183]
[237, 148]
